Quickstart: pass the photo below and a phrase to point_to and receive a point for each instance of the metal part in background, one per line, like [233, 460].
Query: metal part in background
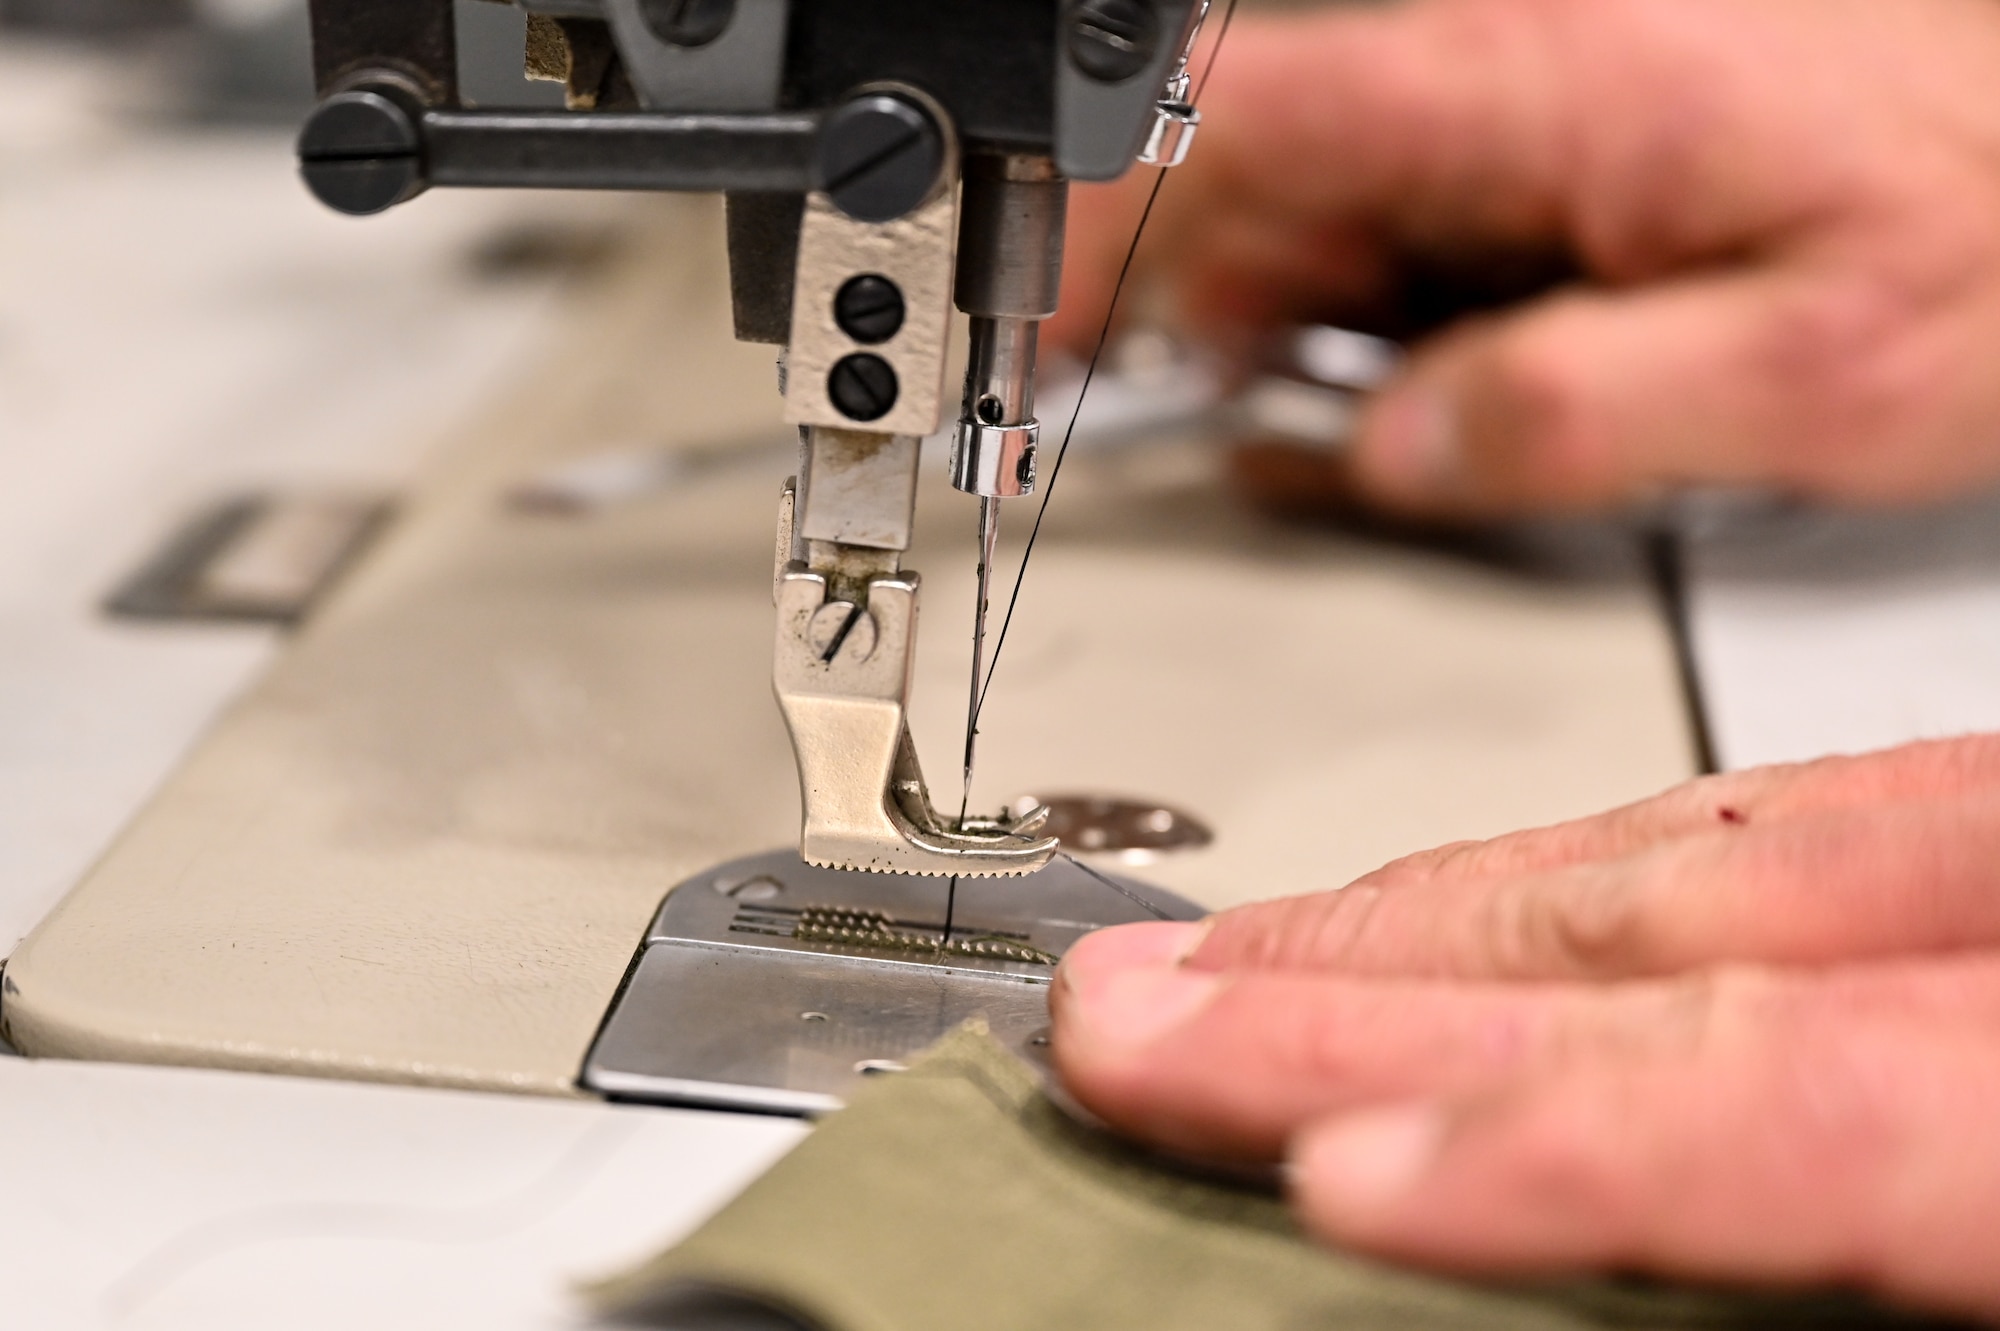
[1010, 266]
[727, 1007]
[1135, 831]
[95, 18]
[1010, 237]
[265, 558]
[916, 251]
[740, 68]
[417, 39]
[993, 452]
[1106, 108]
[859, 488]
[7, 1049]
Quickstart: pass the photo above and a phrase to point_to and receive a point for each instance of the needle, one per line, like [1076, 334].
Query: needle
[989, 534]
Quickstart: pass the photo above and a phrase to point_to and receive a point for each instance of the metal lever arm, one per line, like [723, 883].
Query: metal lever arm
[367, 149]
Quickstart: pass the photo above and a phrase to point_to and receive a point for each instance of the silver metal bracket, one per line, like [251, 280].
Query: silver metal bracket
[997, 461]
[767, 984]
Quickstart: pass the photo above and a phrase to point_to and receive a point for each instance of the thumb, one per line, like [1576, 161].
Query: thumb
[1594, 396]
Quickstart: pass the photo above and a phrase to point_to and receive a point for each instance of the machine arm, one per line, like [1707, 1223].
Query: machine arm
[885, 160]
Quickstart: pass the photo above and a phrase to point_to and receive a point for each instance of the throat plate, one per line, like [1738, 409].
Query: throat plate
[773, 985]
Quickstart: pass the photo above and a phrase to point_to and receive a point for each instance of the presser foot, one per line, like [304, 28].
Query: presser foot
[842, 675]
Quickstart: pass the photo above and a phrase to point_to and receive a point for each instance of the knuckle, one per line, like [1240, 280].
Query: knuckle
[1848, 363]
[1543, 431]
[1337, 932]
[1567, 923]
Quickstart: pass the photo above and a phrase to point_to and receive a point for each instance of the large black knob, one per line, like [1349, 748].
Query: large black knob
[878, 157]
[360, 152]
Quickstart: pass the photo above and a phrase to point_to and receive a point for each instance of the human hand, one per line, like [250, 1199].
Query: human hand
[1747, 1030]
[1785, 215]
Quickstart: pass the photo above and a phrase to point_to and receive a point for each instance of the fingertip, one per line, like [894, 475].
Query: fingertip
[1129, 947]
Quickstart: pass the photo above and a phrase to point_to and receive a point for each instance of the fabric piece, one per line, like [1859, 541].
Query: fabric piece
[956, 1197]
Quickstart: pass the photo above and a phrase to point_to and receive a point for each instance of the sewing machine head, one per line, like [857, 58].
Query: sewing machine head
[883, 160]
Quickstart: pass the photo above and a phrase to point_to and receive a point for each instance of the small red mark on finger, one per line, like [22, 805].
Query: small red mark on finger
[1730, 814]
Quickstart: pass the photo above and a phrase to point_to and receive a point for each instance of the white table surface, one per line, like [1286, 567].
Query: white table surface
[1826, 632]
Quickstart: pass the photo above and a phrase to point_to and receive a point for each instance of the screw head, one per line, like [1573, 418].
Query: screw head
[862, 385]
[878, 157]
[360, 153]
[687, 22]
[869, 308]
[1112, 40]
[841, 628]
[1024, 469]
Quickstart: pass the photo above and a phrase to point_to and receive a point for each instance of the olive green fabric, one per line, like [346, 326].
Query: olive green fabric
[956, 1197]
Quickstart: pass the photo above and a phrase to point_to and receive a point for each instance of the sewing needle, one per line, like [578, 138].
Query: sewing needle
[989, 535]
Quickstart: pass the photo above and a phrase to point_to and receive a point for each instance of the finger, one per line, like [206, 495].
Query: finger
[1328, 143]
[1430, 131]
[1232, 1065]
[1818, 1133]
[1594, 396]
[1908, 773]
[1102, 224]
[1808, 891]
[1549, 901]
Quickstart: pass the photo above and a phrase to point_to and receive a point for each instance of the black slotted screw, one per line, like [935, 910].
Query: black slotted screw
[361, 152]
[862, 385]
[869, 308]
[1111, 40]
[878, 157]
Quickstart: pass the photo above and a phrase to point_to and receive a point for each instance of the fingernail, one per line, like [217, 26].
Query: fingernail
[1130, 946]
[1411, 444]
[1364, 1162]
[1126, 1010]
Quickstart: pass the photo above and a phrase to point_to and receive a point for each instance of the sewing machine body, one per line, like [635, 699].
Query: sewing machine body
[429, 844]
[433, 845]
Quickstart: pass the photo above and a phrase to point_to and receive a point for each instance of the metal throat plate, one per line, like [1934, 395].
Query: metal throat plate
[769, 984]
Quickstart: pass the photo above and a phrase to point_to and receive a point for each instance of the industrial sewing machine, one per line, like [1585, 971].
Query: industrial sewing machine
[432, 844]
[883, 162]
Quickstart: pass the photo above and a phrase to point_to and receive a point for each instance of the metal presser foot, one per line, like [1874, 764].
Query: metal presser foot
[770, 984]
[842, 673]
[841, 665]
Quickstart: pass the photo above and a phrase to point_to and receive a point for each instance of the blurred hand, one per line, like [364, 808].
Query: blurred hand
[1783, 217]
[1748, 1030]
